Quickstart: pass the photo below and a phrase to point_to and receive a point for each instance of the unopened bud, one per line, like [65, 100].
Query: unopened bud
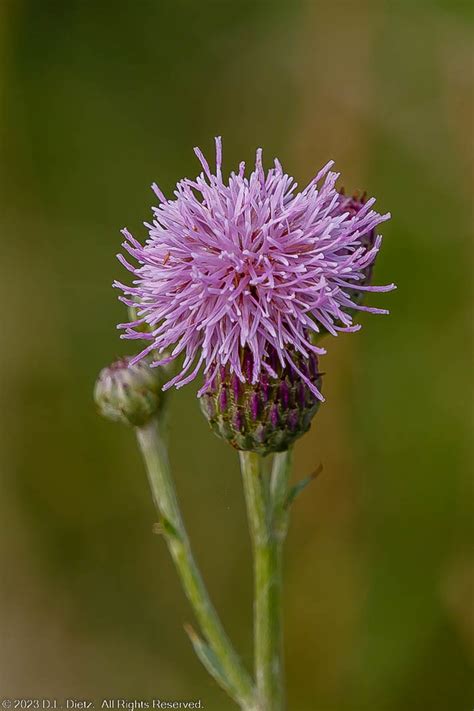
[352, 205]
[130, 393]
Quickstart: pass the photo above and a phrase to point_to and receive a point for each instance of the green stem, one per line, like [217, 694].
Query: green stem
[281, 470]
[221, 659]
[267, 515]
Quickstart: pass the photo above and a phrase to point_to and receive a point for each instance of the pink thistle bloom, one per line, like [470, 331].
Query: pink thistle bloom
[249, 266]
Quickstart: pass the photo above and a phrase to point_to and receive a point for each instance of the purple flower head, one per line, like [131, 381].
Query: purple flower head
[248, 267]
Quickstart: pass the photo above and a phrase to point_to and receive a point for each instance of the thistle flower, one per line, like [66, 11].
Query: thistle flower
[249, 266]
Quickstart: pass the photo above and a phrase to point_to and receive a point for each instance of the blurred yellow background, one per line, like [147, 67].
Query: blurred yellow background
[100, 99]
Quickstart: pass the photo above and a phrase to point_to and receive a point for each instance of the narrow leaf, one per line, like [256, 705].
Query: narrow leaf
[300, 485]
[210, 661]
[167, 529]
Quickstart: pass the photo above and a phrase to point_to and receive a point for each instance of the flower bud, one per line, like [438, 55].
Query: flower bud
[353, 205]
[130, 393]
[267, 416]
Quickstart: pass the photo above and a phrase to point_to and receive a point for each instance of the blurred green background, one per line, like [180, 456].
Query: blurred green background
[99, 99]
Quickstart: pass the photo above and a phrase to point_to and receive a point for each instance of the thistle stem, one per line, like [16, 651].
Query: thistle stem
[219, 656]
[279, 489]
[267, 516]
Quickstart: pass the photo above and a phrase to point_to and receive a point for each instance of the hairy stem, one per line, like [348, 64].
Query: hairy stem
[219, 657]
[267, 516]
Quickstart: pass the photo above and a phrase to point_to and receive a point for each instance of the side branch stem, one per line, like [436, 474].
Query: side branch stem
[222, 657]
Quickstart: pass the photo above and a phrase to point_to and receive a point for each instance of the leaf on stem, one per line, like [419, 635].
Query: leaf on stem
[300, 485]
[165, 528]
[210, 661]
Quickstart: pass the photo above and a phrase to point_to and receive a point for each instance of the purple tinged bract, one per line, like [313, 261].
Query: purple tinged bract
[248, 266]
